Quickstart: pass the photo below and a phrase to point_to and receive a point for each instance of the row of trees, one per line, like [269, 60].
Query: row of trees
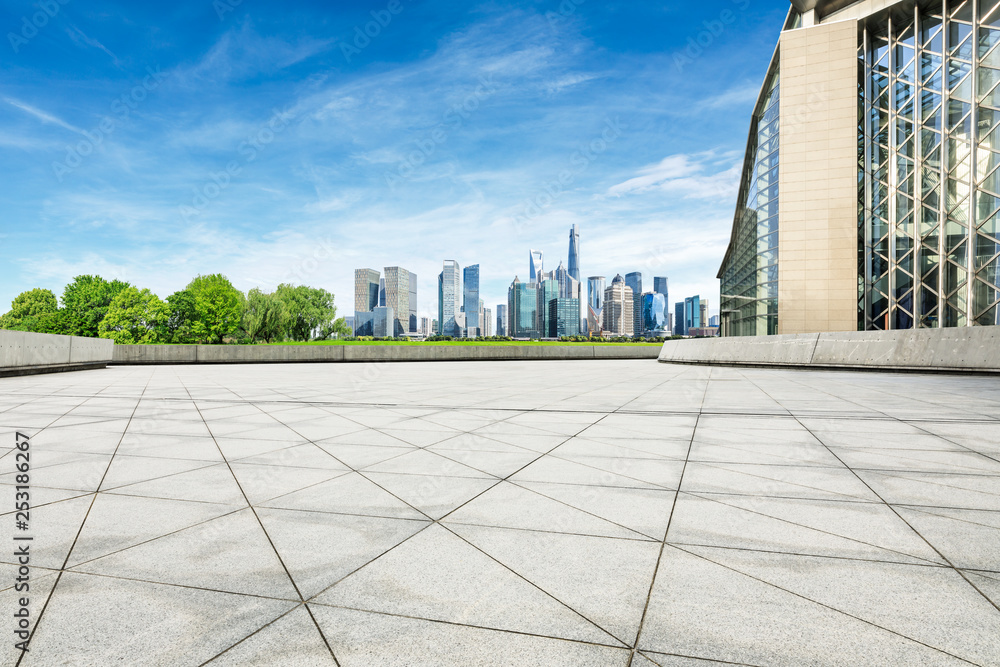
[208, 310]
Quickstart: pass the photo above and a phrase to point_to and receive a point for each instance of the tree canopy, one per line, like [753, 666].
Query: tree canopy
[209, 310]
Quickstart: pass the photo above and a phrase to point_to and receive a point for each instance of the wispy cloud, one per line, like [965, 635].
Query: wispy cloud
[684, 175]
[41, 115]
[80, 38]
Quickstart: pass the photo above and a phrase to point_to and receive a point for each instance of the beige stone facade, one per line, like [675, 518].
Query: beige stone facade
[818, 179]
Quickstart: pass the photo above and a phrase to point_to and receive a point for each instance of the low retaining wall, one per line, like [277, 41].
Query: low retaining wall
[25, 353]
[284, 354]
[972, 349]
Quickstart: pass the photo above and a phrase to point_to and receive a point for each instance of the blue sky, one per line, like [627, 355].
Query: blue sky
[277, 142]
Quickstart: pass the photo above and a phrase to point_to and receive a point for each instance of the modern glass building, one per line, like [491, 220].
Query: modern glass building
[397, 297]
[449, 287]
[536, 265]
[470, 300]
[885, 211]
[413, 303]
[692, 313]
[366, 283]
[679, 329]
[595, 303]
[548, 291]
[563, 317]
[501, 319]
[634, 280]
[654, 313]
[522, 305]
[574, 253]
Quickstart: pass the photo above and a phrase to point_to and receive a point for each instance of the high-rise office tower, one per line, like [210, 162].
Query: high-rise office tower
[660, 285]
[366, 282]
[470, 300]
[595, 301]
[703, 311]
[522, 310]
[502, 319]
[692, 313]
[617, 311]
[424, 327]
[449, 290]
[654, 313]
[634, 280]
[381, 292]
[413, 302]
[487, 322]
[397, 297]
[535, 266]
[574, 253]
[548, 291]
[679, 329]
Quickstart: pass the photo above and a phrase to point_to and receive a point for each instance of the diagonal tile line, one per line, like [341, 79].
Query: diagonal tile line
[714, 661]
[925, 510]
[908, 524]
[902, 474]
[69, 553]
[258, 630]
[808, 527]
[822, 604]
[266, 534]
[641, 537]
[673, 507]
[911, 422]
[853, 559]
[456, 624]
[772, 479]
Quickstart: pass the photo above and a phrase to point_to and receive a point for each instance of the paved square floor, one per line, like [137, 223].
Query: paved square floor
[505, 513]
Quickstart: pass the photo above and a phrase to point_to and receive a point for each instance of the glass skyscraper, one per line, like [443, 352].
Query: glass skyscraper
[522, 305]
[536, 266]
[634, 280]
[574, 253]
[595, 302]
[470, 300]
[654, 313]
[449, 287]
[885, 211]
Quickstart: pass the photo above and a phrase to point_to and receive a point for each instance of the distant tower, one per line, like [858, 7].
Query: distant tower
[574, 253]
[634, 280]
[595, 303]
[470, 300]
[536, 266]
[449, 296]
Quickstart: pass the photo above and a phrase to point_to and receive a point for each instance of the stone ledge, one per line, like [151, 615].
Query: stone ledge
[965, 349]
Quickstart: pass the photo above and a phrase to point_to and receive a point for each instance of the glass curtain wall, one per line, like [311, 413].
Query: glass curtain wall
[929, 166]
[749, 274]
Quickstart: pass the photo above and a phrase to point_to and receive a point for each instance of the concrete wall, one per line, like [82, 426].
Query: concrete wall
[259, 354]
[967, 349]
[23, 353]
[818, 179]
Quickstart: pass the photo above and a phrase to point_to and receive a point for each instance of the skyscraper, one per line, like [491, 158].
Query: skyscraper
[366, 282]
[548, 291]
[449, 288]
[470, 300]
[660, 285]
[654, 313]
[501, 319]
[413, 303]
[617, 311]
[692, 313]
[679, 329]
[703, 310]
[595, 301]
[634, 280]
[425, 327]
[574, 253]
[487, 322]
[536, 266]
[397, 297]
[522, 308]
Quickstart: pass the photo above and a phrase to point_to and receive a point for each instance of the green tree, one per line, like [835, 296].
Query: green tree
[218, 308]
[179, 325]
[134, 317]
[35, 310]
[310, 309]
[265, 317]
[86, 301]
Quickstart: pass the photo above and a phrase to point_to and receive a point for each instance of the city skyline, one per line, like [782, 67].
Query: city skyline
[152, 199]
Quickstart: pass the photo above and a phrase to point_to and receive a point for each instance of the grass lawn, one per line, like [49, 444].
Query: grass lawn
[448, 342]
